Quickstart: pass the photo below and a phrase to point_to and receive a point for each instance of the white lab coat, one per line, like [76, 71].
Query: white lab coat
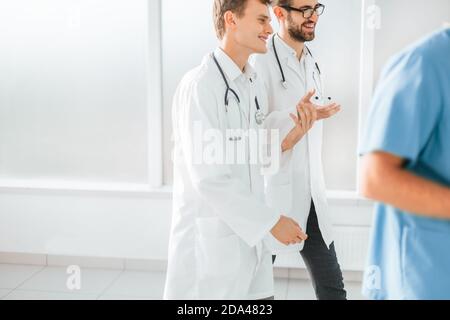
[216, 248]
[291, 190]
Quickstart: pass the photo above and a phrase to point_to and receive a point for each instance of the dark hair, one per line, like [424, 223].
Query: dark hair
[235, 6]
[281, 3]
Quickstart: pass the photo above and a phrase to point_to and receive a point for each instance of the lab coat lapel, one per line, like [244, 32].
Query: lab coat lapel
[294, 65]
[288, 58]
[309, 65]
[314, 135]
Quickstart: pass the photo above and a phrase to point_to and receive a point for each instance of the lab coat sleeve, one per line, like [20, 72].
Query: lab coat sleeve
[233, 202]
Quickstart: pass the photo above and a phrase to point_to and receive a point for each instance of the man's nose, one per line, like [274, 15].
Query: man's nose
[314, 17]
[269, 30]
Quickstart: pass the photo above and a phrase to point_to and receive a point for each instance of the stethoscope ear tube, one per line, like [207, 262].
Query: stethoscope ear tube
[283, 81]
[226, 83]
[283, 77]
[259, 115]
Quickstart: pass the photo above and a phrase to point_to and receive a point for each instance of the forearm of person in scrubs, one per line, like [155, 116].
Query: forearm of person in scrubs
[384, 179]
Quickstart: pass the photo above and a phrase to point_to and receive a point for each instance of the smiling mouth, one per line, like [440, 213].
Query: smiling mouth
[263, 39]
[309, 26]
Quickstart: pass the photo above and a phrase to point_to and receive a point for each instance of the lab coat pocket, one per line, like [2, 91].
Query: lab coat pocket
[425, 263]
[217, 249]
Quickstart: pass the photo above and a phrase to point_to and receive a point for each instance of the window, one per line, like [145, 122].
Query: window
[80, 93]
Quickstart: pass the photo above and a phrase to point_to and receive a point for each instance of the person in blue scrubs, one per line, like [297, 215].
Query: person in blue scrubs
[406, 169]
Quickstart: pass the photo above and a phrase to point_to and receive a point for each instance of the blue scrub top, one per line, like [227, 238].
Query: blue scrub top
[409, 255]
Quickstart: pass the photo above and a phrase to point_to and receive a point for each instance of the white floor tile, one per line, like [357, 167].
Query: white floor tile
[43, 295]
[4, 292]
[122, 297]
[281, 287]
[86, 262]
[21, 282]
[54, 279]
[354, 291]
[139, 284]
[11, 276]
[300, 290]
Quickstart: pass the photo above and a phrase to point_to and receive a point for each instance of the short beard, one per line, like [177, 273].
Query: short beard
[296, 33]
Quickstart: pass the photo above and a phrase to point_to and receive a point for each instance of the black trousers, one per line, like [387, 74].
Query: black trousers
[322, 263]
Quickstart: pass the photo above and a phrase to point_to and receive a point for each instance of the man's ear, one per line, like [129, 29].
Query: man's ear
[229, 19]
[279, 13]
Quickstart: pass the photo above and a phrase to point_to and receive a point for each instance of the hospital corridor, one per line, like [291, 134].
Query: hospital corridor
[224, 150]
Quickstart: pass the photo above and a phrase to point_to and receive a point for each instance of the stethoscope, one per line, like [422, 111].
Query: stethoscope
[260, 117]
[317, 78]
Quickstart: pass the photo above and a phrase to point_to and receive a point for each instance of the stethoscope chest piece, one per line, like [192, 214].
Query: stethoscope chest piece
[260, 117]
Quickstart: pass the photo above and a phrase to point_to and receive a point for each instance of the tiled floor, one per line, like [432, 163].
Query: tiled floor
[19, 282]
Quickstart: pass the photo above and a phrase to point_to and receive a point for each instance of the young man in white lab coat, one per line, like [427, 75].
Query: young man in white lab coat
[216, 248]
[288, 71]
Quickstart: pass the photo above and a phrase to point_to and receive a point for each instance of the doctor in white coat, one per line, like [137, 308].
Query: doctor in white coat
[288, 71]
[220, 220]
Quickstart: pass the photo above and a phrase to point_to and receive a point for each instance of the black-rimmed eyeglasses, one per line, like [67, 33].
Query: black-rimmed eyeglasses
[307, 11]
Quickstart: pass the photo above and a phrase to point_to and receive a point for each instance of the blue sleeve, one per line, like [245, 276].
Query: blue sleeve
[405, 109]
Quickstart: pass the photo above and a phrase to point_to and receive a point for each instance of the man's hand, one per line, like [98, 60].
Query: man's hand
[307, 114]
[287, 231]
[303, 121]
[328, 111]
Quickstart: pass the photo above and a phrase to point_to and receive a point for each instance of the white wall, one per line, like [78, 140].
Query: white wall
[85, 223]
[337, 50]
[404, 22]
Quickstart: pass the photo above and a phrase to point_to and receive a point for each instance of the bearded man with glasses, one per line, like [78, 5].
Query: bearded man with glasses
[289, 71]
